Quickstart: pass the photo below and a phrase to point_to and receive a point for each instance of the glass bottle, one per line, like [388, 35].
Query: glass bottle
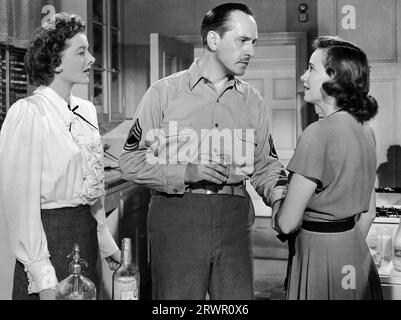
[76, 286]
[397, 249]
[374, 243]
[126, 277]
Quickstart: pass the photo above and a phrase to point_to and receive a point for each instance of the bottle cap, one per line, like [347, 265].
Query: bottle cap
[76, 263]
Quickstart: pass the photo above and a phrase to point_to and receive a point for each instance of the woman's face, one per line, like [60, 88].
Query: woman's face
[313, 78]
[76, 61]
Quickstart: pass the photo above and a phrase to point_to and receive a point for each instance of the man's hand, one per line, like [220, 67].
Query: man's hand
[114, 260]
[48, 294]
[215, 173]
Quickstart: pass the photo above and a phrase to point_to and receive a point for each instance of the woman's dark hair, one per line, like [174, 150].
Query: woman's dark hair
[217, 19]
[48, 42]
[348, 66]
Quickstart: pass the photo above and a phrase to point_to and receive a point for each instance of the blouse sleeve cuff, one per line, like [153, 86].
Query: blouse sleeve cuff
[107, 245]
[41, 276]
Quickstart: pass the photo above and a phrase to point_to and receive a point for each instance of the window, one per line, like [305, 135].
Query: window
[106, 85]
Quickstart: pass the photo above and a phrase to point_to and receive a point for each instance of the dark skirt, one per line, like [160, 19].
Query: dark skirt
[333, 266]
[64, 227]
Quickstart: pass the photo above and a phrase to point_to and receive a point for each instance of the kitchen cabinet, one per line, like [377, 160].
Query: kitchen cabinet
[126, 207]
[389, 277]
[270, 260]
[391, 286]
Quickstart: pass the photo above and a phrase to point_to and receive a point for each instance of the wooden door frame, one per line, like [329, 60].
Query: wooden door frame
[298, 39]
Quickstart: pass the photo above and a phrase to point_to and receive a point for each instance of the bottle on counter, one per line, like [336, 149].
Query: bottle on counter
[397, 249]
[126, 277]
[76, 286]
[374, 243]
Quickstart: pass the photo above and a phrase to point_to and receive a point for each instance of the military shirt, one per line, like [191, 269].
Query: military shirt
[182, 119]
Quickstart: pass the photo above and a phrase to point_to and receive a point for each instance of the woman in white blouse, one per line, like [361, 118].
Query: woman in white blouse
[51, 165]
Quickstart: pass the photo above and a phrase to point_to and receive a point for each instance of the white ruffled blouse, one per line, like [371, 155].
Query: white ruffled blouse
[50, 157]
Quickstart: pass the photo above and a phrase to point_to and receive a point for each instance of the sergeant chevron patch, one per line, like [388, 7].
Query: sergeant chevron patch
[134, 136]
[273, 152]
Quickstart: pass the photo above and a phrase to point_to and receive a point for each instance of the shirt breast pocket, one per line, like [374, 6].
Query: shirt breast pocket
[243, 151]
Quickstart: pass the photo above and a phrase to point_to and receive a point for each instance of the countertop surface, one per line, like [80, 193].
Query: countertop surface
[388, 275]
[113, 177]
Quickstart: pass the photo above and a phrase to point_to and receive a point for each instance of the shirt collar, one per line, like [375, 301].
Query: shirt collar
[195, 75]
[239, 86]
[61, 105]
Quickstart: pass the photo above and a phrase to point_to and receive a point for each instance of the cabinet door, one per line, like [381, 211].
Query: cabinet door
[391, 291]
[134, 226]
[113, 220]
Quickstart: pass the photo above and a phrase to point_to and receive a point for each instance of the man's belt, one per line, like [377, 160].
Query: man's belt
[238, 189]
[210, 189]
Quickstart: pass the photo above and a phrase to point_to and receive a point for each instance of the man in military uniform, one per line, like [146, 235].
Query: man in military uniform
[196, 137]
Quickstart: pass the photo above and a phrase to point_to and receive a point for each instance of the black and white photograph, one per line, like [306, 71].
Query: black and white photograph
[207, 152]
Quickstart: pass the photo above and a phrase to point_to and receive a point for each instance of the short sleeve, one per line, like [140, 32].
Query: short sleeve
[311, 158]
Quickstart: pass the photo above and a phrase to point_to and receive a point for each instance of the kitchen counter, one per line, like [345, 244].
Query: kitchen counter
[126, 206]
[117, 188]
[113, 177]
[388, 275]
[390, 280]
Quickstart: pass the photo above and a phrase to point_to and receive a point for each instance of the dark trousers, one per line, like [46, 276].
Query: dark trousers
[201, 243]
[63, 228]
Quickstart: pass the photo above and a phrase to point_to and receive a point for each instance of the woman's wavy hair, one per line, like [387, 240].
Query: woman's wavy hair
[48, 42]
[349, 68]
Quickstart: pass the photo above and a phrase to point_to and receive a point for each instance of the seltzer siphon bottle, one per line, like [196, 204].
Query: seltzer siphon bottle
[126, 277]
[76, 286]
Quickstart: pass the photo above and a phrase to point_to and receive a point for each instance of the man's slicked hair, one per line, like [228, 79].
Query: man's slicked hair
[217, 19]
